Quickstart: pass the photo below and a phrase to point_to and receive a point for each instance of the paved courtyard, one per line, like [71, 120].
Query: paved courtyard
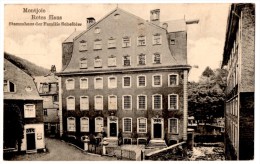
[61, 151]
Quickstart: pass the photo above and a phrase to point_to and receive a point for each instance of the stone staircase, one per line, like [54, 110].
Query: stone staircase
[156, 143]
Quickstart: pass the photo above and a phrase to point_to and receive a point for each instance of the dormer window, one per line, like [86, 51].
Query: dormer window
[111, 62]
[97, 30]
[83, 63]
[157, 39]
[97, 45]
[126, 42]
[141, 40]
[126, 60]
[98, 62]
[83, 45]
[9, 86]
[111, 43]
[141, 59]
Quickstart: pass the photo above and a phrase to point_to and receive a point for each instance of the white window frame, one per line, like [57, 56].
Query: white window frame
[138, 107]
[154, 102]
[138, 39]
[169, 126]
[123, 102]
[177, 79]
[138, 125]
[123, 122]
[111, 61]
[96, 84]
[96, 106]
[82, 128]
[81, 101]
[153, 56]
[169, 101]
[123, 61]
[138, 84]
[31, 113]
[73, 85]
[67, 106]
[98, 44]
[8, 86]
[123, 82]
[111, 43]
[160, 41]
[83, 46]
[81, 85]
[138, 59]
[126, 37]
[109, 82]
[109, 105]
[97, 30]
[71, 129]
[98, 62]
[102, 124]
[154, 81]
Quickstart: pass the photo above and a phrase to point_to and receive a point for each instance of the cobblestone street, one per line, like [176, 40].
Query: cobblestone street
[61, 151]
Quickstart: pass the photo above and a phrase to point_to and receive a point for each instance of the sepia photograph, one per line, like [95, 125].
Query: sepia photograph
[128, 82]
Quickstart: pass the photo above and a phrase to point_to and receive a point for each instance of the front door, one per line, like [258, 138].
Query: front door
[53, 129]
[113, 130]
[157, 130]
[30, 137]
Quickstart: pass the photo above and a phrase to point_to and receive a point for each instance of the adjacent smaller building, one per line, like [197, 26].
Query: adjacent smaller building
[48, 89]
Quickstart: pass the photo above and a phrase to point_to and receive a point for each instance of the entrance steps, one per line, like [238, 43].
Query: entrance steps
[112, 141]
[156, 143]
[31, 151]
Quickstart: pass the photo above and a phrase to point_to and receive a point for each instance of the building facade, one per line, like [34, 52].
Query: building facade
[48, 89]
[239, 59]
[20, 93]
[127, 77]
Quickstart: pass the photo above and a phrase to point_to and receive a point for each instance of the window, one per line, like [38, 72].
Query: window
[157, 80]
[126, 42]
[141, 102]
[173, 125]
[70, 84]
[172, 41]
[141, 59]
[157, 101]
[45, 88]
[9, 86]
[112, 82]
[99, 124]
[83, 63]
[111, 61]
[98, 84]
[126, 82]
[84, 124]
[97, 30]
[45, 112]
[111, 43]
[127, 102]
[157, 39]
[71, 123]
[29, 111]
[141, 41]
[141, 125]
[97, 45]
[156, 58]
[127, 124]
[84, 83]
[98, 102]
[126, 60]
[98, 62]
[84, 103]
[173, 101]
[83, 46]
[173, 79]
[71, 103]
[112, 102]
[141, 81]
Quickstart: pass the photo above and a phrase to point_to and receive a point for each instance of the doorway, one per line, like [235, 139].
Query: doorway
[30, 139]
[113, 129]
[112, 126]
[157, 130]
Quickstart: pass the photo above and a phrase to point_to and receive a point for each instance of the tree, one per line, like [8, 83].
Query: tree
[13, 126]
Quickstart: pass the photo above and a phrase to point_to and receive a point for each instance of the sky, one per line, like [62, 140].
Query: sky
[42, 44]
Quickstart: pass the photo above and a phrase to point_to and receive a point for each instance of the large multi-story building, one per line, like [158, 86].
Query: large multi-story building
[22, 107]
[49, 90]
[239, 59]
[127, 77]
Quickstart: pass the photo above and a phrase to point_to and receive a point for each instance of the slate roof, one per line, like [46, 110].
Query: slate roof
[21, 81]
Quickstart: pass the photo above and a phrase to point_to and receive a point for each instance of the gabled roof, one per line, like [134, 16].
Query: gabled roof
[21, 80]
[72, 36]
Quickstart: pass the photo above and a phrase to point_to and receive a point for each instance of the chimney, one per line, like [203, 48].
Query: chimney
[53, 69]
[155, 16]
[90, 22]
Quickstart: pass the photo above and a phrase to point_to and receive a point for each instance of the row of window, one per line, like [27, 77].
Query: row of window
[173, 80]
[126, 61]
[126, 122]
[232, 107]
[126, 42]
[232, 130]
[173, 100]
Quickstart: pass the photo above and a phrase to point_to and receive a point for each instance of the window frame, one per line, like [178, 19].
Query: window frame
[138, 59]
[123, 102]
[138, 105]
[160, 39]
[123, 82]
[154, 61]
[169, 101]
[81, 126]
[81, 106]
[98, 62]
[74, 128]
[123, 122]
[169, 125]
[96, 84]
[98, 44]
[154, 80]
[113, 41]
[8, 86]
[97, 30]
[109, 82]
[139, 39]
[102, 126]
[177, 79]
[73, 85]
[74, 108]
[123, 60]
[123, 41]
[30, 114]
[153, 102]
[109, 105]
[95, 103]
[80, 83]
[83, 46]
[138, 84]
[113, 62]
[138, 125]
